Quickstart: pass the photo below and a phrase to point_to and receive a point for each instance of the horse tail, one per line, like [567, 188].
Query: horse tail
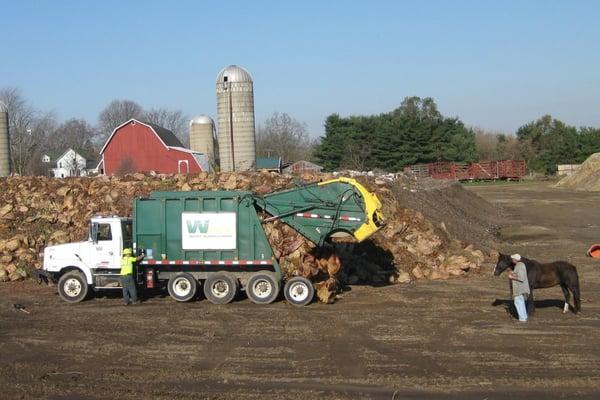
[576, 299]
[570, 277]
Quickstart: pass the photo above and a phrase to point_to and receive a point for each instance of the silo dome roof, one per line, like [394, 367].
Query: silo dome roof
[201, 119]
[234, 73]
[3, 107]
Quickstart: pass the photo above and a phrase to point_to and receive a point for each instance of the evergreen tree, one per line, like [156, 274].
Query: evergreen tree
[548, 142]
[415, 132]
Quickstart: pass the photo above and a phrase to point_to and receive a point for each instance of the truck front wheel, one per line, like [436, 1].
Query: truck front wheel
[182, 287]
[72, 287]
[299, 291]
[262, 288]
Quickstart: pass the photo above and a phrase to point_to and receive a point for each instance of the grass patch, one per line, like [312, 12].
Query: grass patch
[495, 182]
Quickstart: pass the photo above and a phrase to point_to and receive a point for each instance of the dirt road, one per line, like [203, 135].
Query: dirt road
[451, 339]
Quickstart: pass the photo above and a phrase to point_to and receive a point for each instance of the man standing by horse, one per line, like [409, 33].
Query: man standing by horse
[519, 286]
[543, 275]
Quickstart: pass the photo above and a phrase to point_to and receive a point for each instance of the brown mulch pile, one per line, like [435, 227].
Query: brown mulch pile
[39, 211]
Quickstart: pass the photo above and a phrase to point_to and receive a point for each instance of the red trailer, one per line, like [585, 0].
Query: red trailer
[482, 170]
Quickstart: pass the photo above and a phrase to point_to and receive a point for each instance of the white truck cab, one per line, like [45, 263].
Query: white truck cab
[94, 263]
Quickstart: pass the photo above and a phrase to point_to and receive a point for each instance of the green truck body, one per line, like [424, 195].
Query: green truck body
[203, 228]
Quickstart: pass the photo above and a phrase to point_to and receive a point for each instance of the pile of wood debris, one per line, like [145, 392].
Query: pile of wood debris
[40, 211]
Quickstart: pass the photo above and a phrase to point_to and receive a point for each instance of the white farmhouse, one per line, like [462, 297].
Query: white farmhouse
[70, 163]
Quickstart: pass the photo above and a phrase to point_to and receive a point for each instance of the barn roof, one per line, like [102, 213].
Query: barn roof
[167, 137]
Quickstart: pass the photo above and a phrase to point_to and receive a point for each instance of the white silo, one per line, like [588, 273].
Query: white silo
[202, 136]
[4, 141]
[235, 107]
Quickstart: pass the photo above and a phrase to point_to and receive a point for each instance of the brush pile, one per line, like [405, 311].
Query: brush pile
[39, 211]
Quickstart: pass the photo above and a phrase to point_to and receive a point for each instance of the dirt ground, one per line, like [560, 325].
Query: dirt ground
[445, 339]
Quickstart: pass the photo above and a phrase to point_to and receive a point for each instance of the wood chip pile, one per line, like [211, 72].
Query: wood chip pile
[39, 211]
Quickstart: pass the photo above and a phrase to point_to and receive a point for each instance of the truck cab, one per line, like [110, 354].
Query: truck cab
[91, 264]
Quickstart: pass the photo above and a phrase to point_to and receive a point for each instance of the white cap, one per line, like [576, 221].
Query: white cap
[516, 257]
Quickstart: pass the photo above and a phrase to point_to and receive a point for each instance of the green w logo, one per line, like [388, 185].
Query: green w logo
[197, 226]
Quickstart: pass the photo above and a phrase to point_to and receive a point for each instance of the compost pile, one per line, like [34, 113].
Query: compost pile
[587, 177]
[40, 211]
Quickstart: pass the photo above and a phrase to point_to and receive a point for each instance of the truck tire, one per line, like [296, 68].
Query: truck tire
[73, 287]
[299, 291]
[182, 287]
[221, 288]
[262, 288]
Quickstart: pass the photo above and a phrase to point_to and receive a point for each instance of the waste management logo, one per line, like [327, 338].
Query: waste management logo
[208, 231]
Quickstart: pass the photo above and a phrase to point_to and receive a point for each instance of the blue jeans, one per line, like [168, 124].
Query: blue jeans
[520, 306]
[129, 289]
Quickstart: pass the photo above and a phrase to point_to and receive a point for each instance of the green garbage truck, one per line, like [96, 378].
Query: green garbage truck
[213, 239]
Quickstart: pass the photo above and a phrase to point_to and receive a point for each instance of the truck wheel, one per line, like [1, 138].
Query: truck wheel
[72, 287]
[299, 291]
[262, 288]
[182, 287]
[221, 288]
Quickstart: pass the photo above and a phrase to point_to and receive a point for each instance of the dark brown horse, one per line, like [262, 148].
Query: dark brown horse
[546, 275]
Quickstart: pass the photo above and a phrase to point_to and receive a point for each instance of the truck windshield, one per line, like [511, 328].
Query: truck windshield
[126, 227]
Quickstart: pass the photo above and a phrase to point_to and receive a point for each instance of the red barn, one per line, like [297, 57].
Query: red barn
[141, 147]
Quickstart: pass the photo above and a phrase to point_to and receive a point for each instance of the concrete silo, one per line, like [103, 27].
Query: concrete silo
[235, 107]
[4, 142]
[202, 136]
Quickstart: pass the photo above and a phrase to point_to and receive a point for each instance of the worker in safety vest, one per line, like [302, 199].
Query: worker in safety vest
[127, 281]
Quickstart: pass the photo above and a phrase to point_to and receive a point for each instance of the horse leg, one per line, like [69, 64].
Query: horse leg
[530, 304]
[565, 291]
[570, 280]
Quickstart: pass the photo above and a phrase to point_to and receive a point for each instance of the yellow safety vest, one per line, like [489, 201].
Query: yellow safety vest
[127, 265]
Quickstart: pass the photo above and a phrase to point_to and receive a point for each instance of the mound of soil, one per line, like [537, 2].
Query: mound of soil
[462, 213]
[587, 177]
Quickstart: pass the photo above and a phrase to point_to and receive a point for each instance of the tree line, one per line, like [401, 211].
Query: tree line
[34, 132]
[416, 132]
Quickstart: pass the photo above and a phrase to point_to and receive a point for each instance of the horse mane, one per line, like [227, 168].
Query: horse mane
[530, 261]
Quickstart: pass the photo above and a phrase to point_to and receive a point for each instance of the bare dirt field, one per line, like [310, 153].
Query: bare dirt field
[441, 339]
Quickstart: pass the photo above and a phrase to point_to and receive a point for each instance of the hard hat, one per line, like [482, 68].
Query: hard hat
[127, 252]
[516, 257]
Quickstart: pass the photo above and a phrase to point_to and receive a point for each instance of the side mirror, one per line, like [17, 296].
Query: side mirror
[94, 232]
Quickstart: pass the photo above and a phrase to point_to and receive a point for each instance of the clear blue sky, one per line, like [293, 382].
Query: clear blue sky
[494, 64]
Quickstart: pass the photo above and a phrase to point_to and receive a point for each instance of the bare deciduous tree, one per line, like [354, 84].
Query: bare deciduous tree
[173, 120]
[114, 114]
[41, 132]
[283, 136]
[27, 129]
[76, 134]
[357, 156]
[509, 148]
[487, 144]
[119, 111]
